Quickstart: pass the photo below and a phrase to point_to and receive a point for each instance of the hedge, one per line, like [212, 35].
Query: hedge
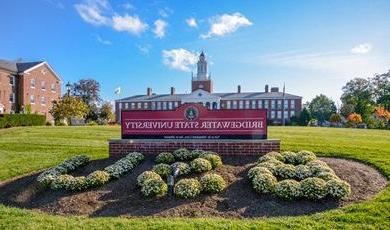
[14, 120]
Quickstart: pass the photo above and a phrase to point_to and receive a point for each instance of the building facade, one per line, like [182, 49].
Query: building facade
[279, 105]
[28, 86]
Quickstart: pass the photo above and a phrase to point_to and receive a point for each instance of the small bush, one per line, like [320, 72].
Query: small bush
[78, 184]
[19, 119]
[327, 176]
[163, 170]
[212, 183]
[289, 157]
[304, 156]
[270, 156]
[124, 164]
[154, 187]
[97, 178]
[147, 175]
[214, 159]
[270, 165]
[313, 188]
[302, 172]
[318, 169]
[187, 188]
[288, 189]
[182, 154]
[61, 182]
[285, 171]
[264, 183]
[200, 165]
[197, 153]
[338, 189]
[184, 168]
[257, 170]
[165, 157]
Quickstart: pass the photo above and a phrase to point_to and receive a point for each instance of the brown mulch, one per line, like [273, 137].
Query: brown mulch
[123, 198]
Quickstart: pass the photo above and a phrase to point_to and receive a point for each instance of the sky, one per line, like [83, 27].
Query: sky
[312, 47]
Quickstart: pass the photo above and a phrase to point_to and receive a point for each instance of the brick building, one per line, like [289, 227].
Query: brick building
[280, 105]
[28, 84]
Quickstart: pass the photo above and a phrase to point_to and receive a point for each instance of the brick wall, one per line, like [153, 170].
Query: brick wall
[5, 90]
[223, 147]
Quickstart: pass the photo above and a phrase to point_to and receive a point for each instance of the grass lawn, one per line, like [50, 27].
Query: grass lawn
[25, 150]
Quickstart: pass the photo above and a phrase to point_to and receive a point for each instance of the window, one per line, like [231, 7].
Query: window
[234, 104]
[228, 105]
[12, 97]
[164, 105]
[32, 99]
[126, 105]
[145, 105]
[12, 80]
[253, 104]
[132, 105]
[259, 104]
[153, 105]
[292, 104]
[43, 85]
[273, 114]
[285, 104]
[292, 113]
[241, 104]
[279, 114]
[120, 106]
[43, 101]
[53, 87]
[170, 105]
[272, 104]
[285, 115]
[247, 104]
[139, 105]
[158, 105]
[266, 104]
[279, 104]
[32, 83]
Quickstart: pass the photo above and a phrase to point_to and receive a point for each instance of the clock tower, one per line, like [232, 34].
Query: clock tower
[202, 79]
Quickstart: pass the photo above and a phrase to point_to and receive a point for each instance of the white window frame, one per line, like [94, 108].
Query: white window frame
[43, 85]
[158, 105]
[145, 105]
[273, 104]
[292, 104]
[279, 104]
[51, 87]
[253, 104]
[234, 105]
[279, 114]
[32, 99]
[33, 84]
[43, 101]
[240, 104]
[292, 113]
[247, 104]
[228, 105]
[13, 98]
[266, 104]
[13, 80]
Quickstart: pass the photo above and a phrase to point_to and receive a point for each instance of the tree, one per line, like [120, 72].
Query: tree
[304, 117]
[354, 118]
[336, 118]
[88, 90]
[321, 107]
[106, 113]
[381, 89]
[359, 93]
[68, 107]
[346, 109]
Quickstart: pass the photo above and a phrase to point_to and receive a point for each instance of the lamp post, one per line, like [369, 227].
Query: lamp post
[68, 87]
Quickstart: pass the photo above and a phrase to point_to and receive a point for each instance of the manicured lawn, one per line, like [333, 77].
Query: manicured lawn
[24, 150]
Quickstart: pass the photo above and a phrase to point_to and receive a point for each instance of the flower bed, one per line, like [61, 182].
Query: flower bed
[292, 176]
[57, 177]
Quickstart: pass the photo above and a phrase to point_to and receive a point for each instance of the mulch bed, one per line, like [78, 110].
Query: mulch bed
[123, 198]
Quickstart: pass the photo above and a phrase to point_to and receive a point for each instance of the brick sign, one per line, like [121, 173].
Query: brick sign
[193, 121]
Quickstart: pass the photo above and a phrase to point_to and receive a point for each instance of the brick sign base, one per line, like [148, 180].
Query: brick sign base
[119, 147]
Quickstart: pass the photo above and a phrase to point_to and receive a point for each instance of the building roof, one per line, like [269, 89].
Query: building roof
[23, 67]
[224, 96]
[8, 65]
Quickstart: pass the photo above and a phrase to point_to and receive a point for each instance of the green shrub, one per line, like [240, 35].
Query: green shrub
[124, 164]
[182, 154]
[147, 175]
[302, 172]
[214, 159]
[288, 189]
[184, 168]
[270, 156]
[200, 165]
[319, 168]
[97, 178]
[78, 184]
[212, 183]
[18, 119]
[285, 171]
[313, 188]
[165, 157]
[289, 157]
[327, 176]
[270, 165]
[304, 156]
[61, 182]
[162, 169]
[264, 183]
[338, 189]
[154, 187]
[187, 188]
[257, 170]
[197, 153]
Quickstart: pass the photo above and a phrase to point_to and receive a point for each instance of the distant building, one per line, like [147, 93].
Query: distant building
[32, 84]
[280, 105]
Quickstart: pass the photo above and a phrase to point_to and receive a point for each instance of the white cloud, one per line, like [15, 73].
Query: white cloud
[144, 49]
[362, 48]
[225, 24]
[159, 28]
[103, 41]
[165, 12]
[191, 22]
[179, 59]
[92, 11]
[128, 6]
[131, 24]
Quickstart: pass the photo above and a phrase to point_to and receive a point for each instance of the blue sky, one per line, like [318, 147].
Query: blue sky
[312, 46]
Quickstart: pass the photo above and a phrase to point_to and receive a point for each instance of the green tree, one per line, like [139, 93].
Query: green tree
[381, 89]
[106, 113]
[304, 117]
[68, 107]
[89, 91]
[321, 107]
[359, 93]
[346, 109]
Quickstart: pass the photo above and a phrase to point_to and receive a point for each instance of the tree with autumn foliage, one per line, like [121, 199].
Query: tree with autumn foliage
[354, 118]
[69, 107]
